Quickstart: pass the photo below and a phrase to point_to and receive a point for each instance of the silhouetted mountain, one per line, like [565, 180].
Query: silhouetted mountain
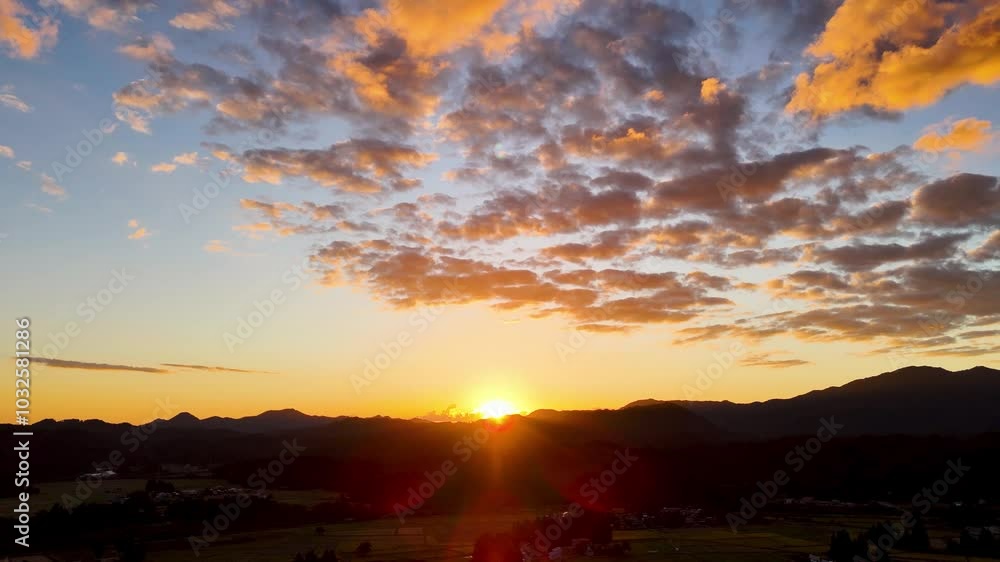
[183, 419]
[911, 400]
[648, 427]
[915, 401]
[266, 422]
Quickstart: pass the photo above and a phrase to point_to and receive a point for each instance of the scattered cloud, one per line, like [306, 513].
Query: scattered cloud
[224, 247]
[768, 360]
[357, 165]
[39, 208]
[50, 187]
[212, 18]
[140, 232]
[152, 48]
[186, 159]
[965, 134]
[217, 247]
[163, 168]
[590, 146]
[104, 15]
[24, 34]
[121, 158]
[6, 151]
[710, 90]
[9, 99]
[880, 55]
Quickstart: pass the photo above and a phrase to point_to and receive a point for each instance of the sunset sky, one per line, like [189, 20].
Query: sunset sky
[426, 205]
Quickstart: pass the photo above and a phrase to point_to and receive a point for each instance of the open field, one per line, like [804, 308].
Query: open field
[443, 538]
[52, 492]
[450, 537]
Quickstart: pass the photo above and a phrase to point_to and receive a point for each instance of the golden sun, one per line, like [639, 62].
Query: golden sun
[496, 409]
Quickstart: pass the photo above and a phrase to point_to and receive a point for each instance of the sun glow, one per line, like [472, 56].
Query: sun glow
[496, 409]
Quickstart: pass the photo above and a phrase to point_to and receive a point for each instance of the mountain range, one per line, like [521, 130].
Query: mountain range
[899, 429]
[913, 401]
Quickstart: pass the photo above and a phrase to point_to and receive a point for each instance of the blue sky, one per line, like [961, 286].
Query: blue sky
[460, 183]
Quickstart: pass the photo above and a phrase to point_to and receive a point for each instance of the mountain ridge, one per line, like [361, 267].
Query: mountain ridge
[919, 387]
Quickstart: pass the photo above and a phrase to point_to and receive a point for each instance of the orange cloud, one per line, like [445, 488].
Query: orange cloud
[356, 165]
[107, 15]
[430, 27]
[217, 247]
[876, 54]
[212, 18]
[163, 168]
[966, 134]
[140, 232]
[710, 90]
[52, 188]
[153, 48]
[23, 33]
[187, 159]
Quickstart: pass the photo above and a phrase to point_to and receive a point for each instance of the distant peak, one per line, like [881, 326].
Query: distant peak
[287, 412]
[184, 417]
[643, 402]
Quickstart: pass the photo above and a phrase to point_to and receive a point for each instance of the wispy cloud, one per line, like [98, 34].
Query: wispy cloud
[171, 367]
[37, 207]
[9, 99]
[52, 188]
[88, 366]
[767, 360]
[186, 159]
[215, 368]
